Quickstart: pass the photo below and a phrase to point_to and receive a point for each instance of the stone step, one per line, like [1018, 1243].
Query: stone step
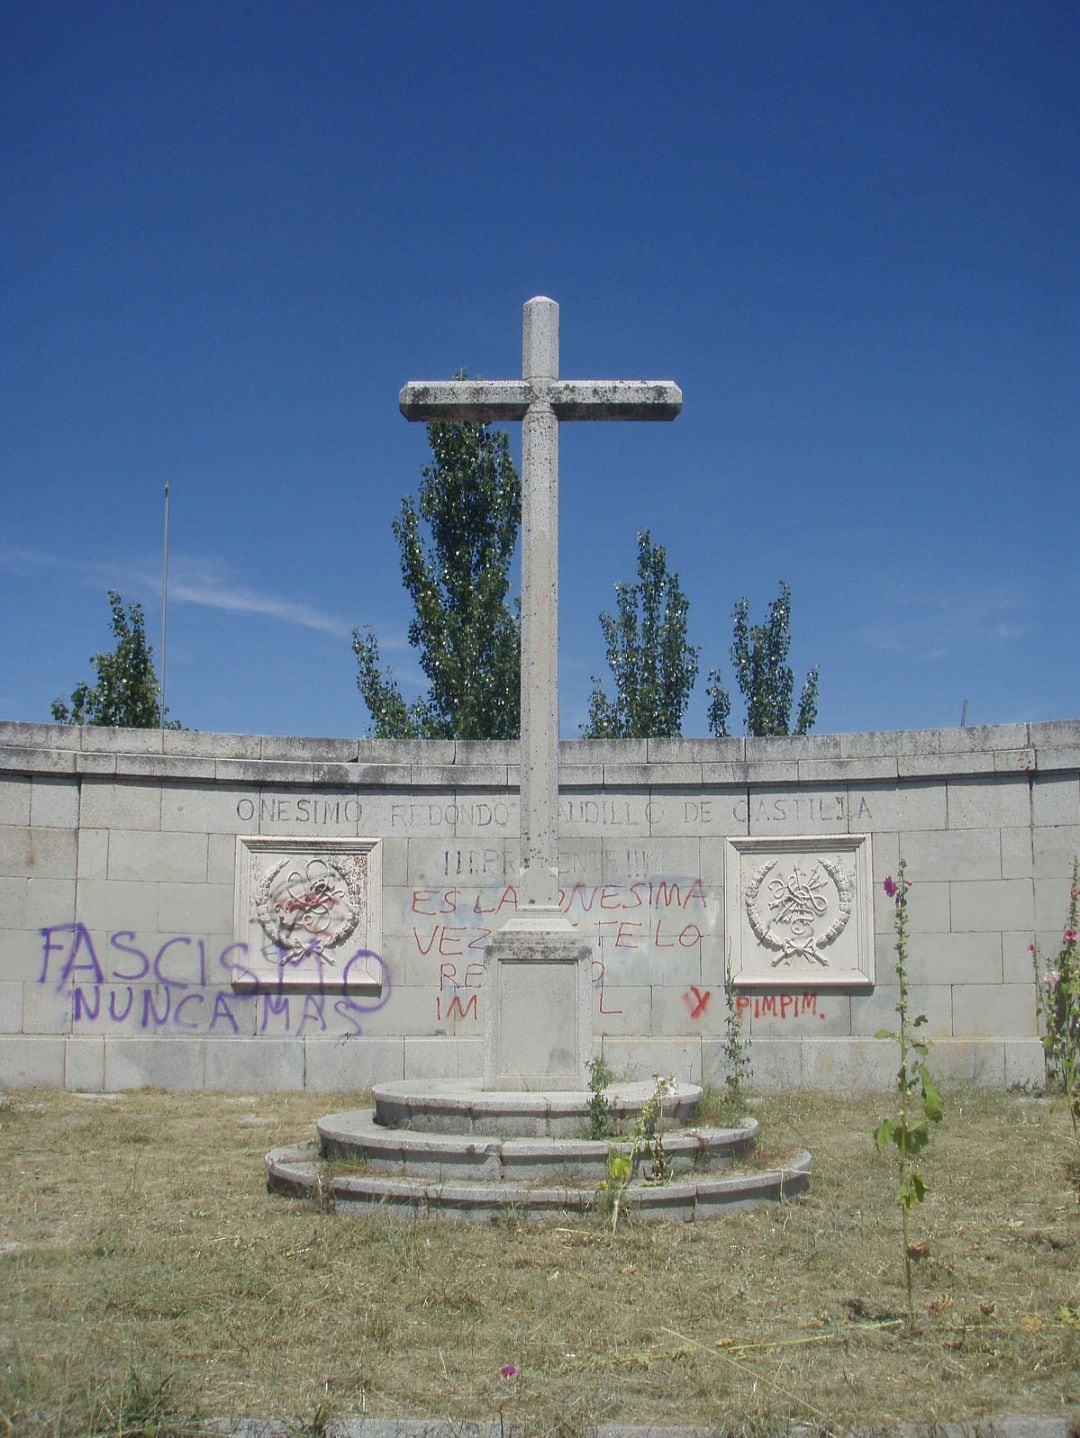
[299, 1172]
[358, 1137]
[463, 1107]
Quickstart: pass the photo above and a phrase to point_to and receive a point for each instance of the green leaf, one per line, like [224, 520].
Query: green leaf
[885, 1034]
[884, 1133]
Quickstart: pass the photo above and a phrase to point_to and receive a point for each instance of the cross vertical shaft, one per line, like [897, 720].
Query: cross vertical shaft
[539, 763]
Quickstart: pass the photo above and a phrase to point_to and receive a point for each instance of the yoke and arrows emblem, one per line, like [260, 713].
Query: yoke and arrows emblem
[798, 904]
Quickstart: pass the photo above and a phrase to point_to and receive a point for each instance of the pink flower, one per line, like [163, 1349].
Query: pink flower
[889, 885]
[1031, 948]
[508, 1370]
[1051, 978]
[1069, 937]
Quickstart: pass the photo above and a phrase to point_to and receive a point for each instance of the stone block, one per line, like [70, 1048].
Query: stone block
[45, 1011]
[672, 970]
[352, 1065]
[406, 751]
[849, 1065]
[726, 775]
[444, 863]
[695, 751]
[15, 799]
[994, 1010]
[593, 814]
[993, 904]
[54, 803]
[103, 904]
[37, 853]
[38, 761]
[680, 1011]
[1014, 761]
[255, 1065]
[985, 737]
[49, 901]
[13, 903]
[205, 809]
[194, 908]
[776, 1064]
[620, 1011]
[641, 1058]
[1055, 799]
[84, 1066]
[571, 777]
[604, 751]
[443, 1058]
[794, 747]
[798, 1014]
[174, 857]
[907, 806]
[337, 751]
[99, 739]
[712, 813]
[92, 853]
[469, 753]
[213, 746]
[1055, 732]
[928, 908]
[1051, 903]
[985, 804]
[961, 854]
[40, 736]
[96, 764]
[409, 1011]
[872, 1012]
[168, 1063]
[31, 1061]
[144, 766]
[1053, 850]
[21, 955]
[914, 766]
[776, 772]
[811, 809]
[221, 859]
[1025, 1064]
[845, 771]
[1049, 760]
[119, 804]
[11, 993]
[960, 958]
[1017, 861]
[978, 1061]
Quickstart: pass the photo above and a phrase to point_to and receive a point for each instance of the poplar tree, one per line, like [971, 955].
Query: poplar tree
[457, 541]
[126, 694]
[759, 653]
[652, 664]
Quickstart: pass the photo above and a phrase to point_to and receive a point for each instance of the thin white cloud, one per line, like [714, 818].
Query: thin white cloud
[934, 622]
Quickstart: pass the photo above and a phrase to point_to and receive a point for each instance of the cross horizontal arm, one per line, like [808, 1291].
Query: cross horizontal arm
[481, 400]
[615, 399]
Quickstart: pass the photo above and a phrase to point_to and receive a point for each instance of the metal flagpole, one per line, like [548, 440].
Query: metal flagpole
[164, 605]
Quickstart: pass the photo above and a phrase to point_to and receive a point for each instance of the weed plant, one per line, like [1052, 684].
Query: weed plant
[602, 1119]
[919, 1102]
[1057, 997]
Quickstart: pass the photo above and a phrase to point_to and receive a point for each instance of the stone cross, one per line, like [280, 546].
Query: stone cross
[540, 400]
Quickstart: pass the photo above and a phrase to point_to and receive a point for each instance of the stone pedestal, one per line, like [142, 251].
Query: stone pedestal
[537, 1005]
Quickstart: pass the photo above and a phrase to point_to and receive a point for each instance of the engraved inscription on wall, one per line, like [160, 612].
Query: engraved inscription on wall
[308, 912]
[800, 912]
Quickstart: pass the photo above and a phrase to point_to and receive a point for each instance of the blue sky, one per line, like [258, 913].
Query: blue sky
[231, 231]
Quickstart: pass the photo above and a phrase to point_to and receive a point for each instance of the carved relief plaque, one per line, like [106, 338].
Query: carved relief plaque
[799, 912]
[308, 913]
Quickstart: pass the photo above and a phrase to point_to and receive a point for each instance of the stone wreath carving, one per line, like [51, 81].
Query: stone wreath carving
[796, 904]
[307, 907]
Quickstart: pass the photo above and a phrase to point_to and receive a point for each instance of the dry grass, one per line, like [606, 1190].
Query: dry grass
[146, 1277]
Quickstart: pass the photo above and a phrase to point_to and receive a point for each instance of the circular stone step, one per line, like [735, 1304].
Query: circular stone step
[466, 1108]
[447, 1157]
[298, 1172]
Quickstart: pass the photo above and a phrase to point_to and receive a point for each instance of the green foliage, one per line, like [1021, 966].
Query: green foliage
[601, 1110]
[646, 1149]
[126, 694]
[458, 580]
[738, 1070]
[652, 664]
[908, 1130]
[759, 653]
[1057, 997]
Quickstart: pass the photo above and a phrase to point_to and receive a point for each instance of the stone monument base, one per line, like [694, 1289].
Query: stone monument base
[537, 1005]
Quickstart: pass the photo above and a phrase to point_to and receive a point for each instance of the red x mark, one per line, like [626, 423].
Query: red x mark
[698, 1002]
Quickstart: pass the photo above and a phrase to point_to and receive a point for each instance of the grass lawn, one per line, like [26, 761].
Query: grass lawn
[148, 1280]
